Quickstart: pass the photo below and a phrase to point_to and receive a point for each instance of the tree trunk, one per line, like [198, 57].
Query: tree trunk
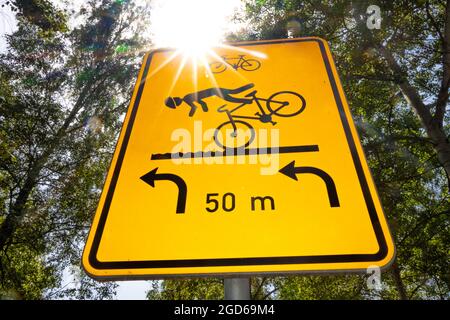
[399, 282]
[432, 125]
[442, 146]
[17, 210]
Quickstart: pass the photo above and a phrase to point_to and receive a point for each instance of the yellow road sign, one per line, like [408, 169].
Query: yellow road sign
[243, 161]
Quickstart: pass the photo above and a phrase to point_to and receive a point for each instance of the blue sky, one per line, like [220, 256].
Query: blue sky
[132, 290]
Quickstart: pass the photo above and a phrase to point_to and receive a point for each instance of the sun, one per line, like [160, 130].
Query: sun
[194, 29]
[191, 26]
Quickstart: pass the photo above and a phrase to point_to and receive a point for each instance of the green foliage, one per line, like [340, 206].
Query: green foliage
[25, 267]
[323, 287]
[62, 96]
[41, 13]
[206, 288]
[186, 289]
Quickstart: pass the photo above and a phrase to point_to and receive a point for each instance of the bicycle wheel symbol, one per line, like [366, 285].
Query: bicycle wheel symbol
[217, 67]
[250, 65]
[286, 104]
[239, 135]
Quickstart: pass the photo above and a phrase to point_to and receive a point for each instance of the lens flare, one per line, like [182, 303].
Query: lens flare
[191, 26]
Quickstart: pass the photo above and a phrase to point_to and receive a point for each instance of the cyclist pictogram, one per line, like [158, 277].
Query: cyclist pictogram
[192, 99]
[237, 133]
[236, 62]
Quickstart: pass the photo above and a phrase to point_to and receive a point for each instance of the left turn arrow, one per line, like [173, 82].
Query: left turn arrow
[151, 176]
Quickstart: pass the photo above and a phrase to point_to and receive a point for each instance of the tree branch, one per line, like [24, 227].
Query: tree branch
[399, 282]
[270, 293]
[372, 77]
[443, 95]
[16, 212]
[433, 21]
[411, 94]
[255, 294]
[433, 128]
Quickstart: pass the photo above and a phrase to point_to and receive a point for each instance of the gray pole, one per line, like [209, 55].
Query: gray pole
[237, 289]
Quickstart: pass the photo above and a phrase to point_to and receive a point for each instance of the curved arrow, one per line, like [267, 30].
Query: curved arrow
[151, 176]
[291, 171]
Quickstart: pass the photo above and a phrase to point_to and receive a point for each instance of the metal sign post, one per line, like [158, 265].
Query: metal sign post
[237, 288]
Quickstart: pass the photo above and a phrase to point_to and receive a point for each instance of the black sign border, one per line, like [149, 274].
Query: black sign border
[254, 261]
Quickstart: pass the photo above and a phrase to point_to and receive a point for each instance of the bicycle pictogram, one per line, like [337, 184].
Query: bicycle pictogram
[237, 133]
[236, 62]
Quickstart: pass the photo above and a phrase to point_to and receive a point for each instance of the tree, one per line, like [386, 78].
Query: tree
[196, 289]
[186, 289]
[40, 13]
[61, 98]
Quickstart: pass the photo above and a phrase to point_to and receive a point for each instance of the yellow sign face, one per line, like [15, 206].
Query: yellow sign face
[243, 161]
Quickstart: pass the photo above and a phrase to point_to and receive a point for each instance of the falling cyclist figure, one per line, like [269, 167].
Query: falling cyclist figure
[283, 104]
[197, 97]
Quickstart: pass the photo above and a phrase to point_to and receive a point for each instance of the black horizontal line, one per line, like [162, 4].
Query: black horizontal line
[235, 152]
